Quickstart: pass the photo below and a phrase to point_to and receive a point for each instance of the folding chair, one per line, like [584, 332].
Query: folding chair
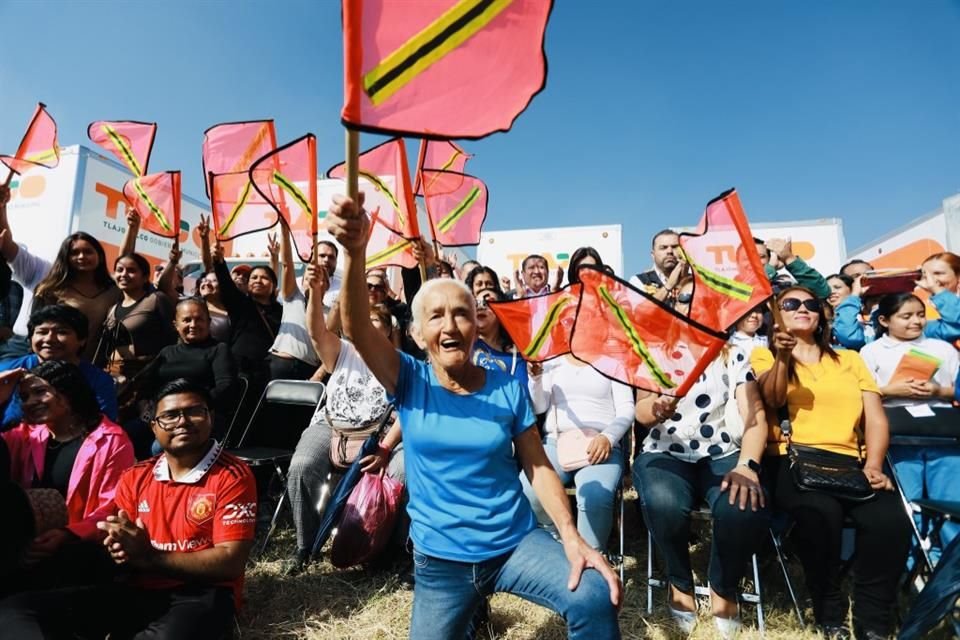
[243, 387]
[907, 431]
[754, 597]
[270, 437]
[939, 596]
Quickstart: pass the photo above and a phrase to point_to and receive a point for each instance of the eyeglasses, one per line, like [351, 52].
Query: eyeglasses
[168, 420]
[684, 298]
[792, 304]
[376, 287]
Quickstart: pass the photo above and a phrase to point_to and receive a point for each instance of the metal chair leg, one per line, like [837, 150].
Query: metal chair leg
[759, 603]
[623, 558]
[649, 572]
[778, 549]
[276, 512]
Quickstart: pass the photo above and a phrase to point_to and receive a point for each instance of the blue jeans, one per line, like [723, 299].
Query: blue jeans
[446, 593]
[596, 485]
[929, 472]
[670, 489]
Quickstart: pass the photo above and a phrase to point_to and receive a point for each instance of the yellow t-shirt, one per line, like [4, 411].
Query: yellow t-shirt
[825, 402]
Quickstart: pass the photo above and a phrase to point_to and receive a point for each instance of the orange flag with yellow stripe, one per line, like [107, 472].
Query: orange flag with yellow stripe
[38, 147]
[232, 147]
[628, 336]
[728, 275]
[287, 179]
[540, 326]
[130, 141]
[385, 248]
[156, 197]
[385, 182]
[458, 207]
[439, 155]
[441, 68]
[237, 207]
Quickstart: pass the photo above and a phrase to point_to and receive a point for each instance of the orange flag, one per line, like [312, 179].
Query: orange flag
[386, 248]
[728, 276]
[439, 155]
[287, 178]
[232, 147]
[237, 207]
[156, 197]
[441, 68]
[458, 209]
[385, 182]
[540, 326]
[628, 336]
[131, 142]
[39, 147]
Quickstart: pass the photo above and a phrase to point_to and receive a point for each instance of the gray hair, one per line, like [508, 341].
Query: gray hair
[419, 300]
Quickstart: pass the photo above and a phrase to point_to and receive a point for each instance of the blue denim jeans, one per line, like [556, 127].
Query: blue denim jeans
[670, 489]
[596, 485]
[446, 593]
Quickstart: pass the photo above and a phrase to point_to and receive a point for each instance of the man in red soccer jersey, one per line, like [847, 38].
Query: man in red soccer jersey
[184, 529]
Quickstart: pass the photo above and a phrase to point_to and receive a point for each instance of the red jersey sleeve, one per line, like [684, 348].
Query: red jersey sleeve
[235, 517]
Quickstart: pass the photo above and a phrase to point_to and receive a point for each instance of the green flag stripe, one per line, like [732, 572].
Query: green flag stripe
[540, 337]
[639, 347]
[157, 212]
[293, 190]
[236, 210]
[459, 211]
[388, 252]
[127, 152]
[380, 184]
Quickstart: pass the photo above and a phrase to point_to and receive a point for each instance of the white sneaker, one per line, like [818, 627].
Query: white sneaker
[686, 620]
[728, 627]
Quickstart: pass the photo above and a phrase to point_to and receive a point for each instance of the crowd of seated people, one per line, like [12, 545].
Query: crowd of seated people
[118, 395]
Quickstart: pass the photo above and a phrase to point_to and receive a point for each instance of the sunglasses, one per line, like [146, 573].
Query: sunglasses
[684, 298]
[375, 287]
[792, 304]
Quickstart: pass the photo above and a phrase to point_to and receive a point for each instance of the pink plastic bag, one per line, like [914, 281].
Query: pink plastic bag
[367, 520]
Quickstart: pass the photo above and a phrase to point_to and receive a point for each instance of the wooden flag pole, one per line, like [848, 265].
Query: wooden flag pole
[9, 177]
[352, 165]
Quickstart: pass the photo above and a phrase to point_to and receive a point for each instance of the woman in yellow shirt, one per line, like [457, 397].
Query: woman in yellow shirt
[828, 395]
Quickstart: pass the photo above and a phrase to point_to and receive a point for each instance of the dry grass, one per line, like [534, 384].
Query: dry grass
[330, 604]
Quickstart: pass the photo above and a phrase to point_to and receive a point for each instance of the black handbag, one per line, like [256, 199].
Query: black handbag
[814, 469]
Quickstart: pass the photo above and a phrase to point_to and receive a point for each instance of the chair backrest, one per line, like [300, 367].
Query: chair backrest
[283, 412]
[240, 398]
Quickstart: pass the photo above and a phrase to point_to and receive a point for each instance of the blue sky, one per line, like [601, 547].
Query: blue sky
[811, 109]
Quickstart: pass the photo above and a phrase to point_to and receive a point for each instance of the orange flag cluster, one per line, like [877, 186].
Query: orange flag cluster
[622, 332]
[38, 147]
[626, 334]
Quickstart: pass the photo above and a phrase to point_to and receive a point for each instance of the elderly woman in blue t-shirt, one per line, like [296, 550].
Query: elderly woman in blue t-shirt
[473, 529]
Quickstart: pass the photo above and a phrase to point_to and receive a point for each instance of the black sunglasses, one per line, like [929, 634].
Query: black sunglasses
[792, 304]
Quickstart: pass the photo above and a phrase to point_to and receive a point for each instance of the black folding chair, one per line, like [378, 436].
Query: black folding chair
[941, 592]
[270, 437]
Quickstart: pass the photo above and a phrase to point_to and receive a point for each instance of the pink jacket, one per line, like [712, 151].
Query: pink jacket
[105, 453]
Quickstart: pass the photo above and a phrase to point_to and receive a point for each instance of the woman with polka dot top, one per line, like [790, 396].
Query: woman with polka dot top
[705, 448]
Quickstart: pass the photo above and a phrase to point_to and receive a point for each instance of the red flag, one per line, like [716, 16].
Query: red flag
[728, 275]
[232, 147]
[628, 336]
[237, 207]
[39, 147]
[441, 68]
[131, 142]
[439, 155]
[386, 248]
[540, 326]
[287, 179]
[458, 209]
[385, 182]
[156, 197]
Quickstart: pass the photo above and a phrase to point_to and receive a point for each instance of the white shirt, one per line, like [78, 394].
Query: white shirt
[28, 270]
[883, 355]
[353, 393]
[577, 397]
[292, 337]
[747, 343]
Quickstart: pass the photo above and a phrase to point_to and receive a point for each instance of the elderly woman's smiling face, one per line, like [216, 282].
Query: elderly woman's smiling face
[448, 326]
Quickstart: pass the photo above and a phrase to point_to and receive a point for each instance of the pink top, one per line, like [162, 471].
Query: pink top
[105, 453]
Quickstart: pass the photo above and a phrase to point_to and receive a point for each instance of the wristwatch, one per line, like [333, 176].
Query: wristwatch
[751, 464]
